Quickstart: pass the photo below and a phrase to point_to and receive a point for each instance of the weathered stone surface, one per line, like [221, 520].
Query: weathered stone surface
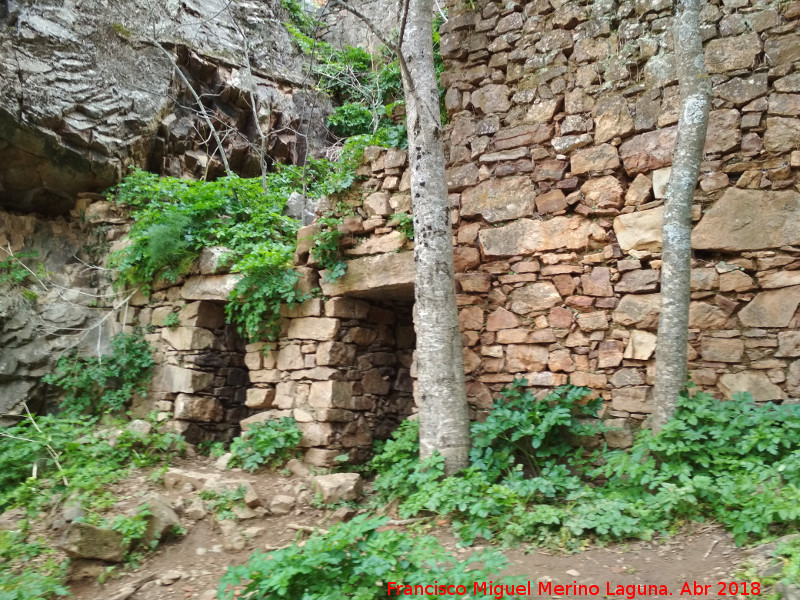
[461, 177]
[641, 345]
[721, 349]
[632, 399]
[755, 382]
[612, 118]
[788, 343]
[749, 220]
[534, 297]
[705, 316]
[741, 90]
[550, 202]
[209, 287]
[331, 394]
[729, 54]
[648, 151]
[639, 311]
[161, 521]
[259, 398]
[381, 276]
[339, 487]
[787, 105]
[774, 308]
[724, 131]
[499, 199]
[208, 315]
[527, 236]
[639, 281]
[171, 378]
[378, 244]
[82, 540]
[618, 433]
[782, 50]
[640, 230]
[782, 135]
[332, 353]
[188, 338]
[501, 319]
[793, 379]
[205, 409]
[525, 357]
[596, 159]
[346, 308]
[491, 99]
[602, 193]
[523, 135]
[597, 282]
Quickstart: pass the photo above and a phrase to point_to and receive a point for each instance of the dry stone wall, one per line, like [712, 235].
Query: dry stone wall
[563, 119]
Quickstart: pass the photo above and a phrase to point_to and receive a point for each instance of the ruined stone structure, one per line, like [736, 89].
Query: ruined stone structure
[562, 121]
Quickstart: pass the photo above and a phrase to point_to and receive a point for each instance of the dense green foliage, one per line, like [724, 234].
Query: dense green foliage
[734, 461]
[100, 384]
[269, 443]
[354, 560]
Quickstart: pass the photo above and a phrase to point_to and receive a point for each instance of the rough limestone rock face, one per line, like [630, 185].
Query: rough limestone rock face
[87, 91]
[749, 220]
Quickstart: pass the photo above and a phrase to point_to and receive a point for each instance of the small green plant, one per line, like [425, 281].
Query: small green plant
[132, 527]
[104, 384]
[326, 248]
[352, 119]
[269, 443]
[212, 449]
[172, 320]
[13, 269]
[355, 560]
[223, 503]
[404, 223]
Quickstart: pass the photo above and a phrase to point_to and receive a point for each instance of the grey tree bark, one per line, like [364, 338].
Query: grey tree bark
[695, 100]
[443, 414]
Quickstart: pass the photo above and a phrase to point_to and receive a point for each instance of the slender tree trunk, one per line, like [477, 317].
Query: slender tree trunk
[673, 324]
[443, 415]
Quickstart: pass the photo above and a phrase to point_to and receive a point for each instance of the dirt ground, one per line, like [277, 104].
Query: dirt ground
[190, 567]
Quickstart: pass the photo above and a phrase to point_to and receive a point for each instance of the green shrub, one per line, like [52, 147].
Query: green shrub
[736, 461]
[94, 384]
[355, 560]
[269, 443]
[351, 119]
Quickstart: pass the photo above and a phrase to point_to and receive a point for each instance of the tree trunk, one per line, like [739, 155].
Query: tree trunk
[673, 324]
[443, 415]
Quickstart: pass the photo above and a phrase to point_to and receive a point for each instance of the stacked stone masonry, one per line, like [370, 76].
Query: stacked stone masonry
[563, 117]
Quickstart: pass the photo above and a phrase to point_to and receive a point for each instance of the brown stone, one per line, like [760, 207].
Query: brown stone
[527, 236]
[523, 135]
[735, 281]
[788, 343]
[741, 90]
[289, 358]
[565, 284]
[595, 159]
[640, 230]
[641, 345]
[260, 398]
[560, 317]
[632, 399]
[755, 382]
[609, 354]
[313, 328]
[782, 135]
[721, 349]
[779, 279]
[602, 193]
[639, 281]
[461, 177]
[638, 191]
[724, 131]
[346, 308]
[331, 394]
[499, 199]
[188, 338]
[597, 282]
[523, 357]
[501, 319]
[377, 204]
[704, 316]
[378, 244]
[471, 318]
[209, 287]
[534, 297]
[787, 105]
[335, 354]
[774, 308]
[593, 321]
[470, 359]
[465, 259]
[198, 408]
[782, 50]
[474, 282]
[612, 118]
[491, 99]
[561, 361]
[648, 151]
[171, 378]
[732, 53]
[749, 220]
[381, 276]
[639, 311]
[550, 202]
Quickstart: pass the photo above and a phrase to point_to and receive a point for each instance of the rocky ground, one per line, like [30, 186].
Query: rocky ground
[280, 508]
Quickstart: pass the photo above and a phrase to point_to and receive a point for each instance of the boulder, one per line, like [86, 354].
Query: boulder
[338, 487]
[82, 540]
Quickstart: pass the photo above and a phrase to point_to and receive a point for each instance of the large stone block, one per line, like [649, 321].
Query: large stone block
[313, 328]
[722, 349]
[749, 220]
[755, 382]
[209, 287]
[527, 236]
[382, 276]
[171, 378]
[198, 408]
[632, 399]
[782, 135]
[526, 357]
[535, 297]
[209, 315]
[331, 394]
[648, 151]
[732, 53]
[774, 308]
[594, 160]
[188, 338]
[639, 311]
[499, 199]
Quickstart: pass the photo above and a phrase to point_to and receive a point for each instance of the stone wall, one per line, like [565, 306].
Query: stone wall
[562, 122]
